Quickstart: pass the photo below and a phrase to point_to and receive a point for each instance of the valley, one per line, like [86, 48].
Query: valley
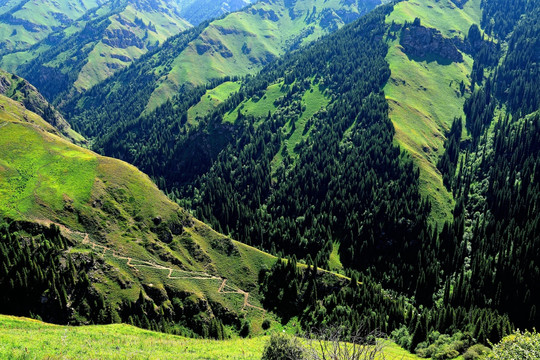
[244, 180]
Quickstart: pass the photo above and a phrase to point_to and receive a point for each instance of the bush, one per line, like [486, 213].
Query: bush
[283, 347]
[476, 352]
[443, 346]
[523, 346]
[402, 337]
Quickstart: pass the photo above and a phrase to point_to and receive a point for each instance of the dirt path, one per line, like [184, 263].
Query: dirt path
[238, 291]
[197, 275]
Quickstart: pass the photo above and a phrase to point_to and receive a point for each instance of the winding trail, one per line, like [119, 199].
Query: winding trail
[195, 275]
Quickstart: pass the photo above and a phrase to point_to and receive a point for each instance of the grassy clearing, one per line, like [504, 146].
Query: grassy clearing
[313, 100]
[424, 95]
[22, 338]
[334, 263]
[257, 107]
[212, 99]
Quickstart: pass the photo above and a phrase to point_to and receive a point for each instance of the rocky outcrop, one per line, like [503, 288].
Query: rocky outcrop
[421, 42]
[122, 38]
[5, 84]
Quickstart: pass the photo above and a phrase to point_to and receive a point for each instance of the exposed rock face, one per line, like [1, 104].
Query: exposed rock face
[419, 41]
[121, 38]
[4, 84]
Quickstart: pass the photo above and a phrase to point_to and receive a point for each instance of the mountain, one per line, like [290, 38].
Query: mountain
[84, 50]
[400, 150]
[28, 22]
[24, 23]
[238, 44]
[87, 239]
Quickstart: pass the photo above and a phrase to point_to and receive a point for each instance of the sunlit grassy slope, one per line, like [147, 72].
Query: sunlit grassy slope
[26, 338]
[24, 23]
[117, 34]
[108, 207]
[212, 99]
[243, 42]
[18, 89]
[424, 95]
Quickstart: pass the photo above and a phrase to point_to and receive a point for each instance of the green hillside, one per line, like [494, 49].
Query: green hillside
[24, 23]
[95, 46]
[113, 216]
[238, 44]
[245, 41]
[29, 28]
[28, 98]
[424, 93]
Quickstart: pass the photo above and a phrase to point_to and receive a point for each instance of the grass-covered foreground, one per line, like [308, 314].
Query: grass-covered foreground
[22, 338]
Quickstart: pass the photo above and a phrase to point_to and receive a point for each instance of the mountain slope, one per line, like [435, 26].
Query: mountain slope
[139, 250]
[424, 91]
[27, 95]
[238, 44]
[24, 23]
[332, 154]
[91, 47]
[95, 46]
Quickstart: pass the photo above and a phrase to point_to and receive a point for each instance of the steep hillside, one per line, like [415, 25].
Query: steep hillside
[95, 46]
[426, 90]
[238, 44]
[27, 95]
[107, 227]
[24, 23]
[377, 149]
[26, 26]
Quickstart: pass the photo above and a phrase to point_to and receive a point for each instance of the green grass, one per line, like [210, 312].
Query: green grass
[22, 338]
[34, 174]
[424, 95]
[443, 15]
[243, 42]
[211, 99]
[257, 108]
[334, 263]
[39, 12]
[313, 100]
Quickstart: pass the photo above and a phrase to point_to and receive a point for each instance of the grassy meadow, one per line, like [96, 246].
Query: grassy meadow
[22, 338]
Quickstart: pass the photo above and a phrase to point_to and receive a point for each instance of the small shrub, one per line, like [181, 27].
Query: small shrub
[476, 352]
[283, 347]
